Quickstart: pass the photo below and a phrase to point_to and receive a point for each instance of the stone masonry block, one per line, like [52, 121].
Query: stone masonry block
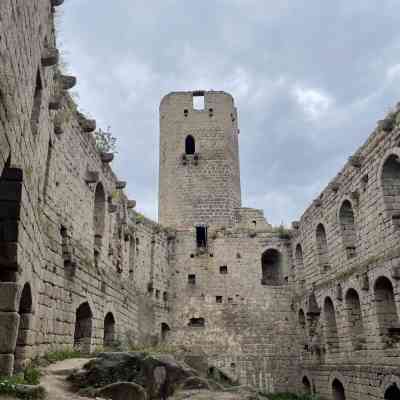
[9, 323]
[6, 364]
[9, 296]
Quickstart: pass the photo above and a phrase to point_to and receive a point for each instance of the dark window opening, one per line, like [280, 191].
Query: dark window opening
[230, 299]
[157, 293]
[165, 329]
[306, 386]
[83, 328]
[165, 296]
[192, 279]
[185, 112]
[190, 145]
[198, 100]
[37, 104]
[223, 269]
[109, 330]
[338, 390]
[197, 322]
[218, 299]
[47, 173]
[201, 236]
[392, 393]
[271, 268]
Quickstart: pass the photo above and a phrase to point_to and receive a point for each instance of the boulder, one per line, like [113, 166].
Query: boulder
[137, 367]
[122, 391]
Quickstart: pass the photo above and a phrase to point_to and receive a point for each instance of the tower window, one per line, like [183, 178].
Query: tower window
[201, 236]
[191, 279]
[223, 269]
[198, 100]
[218, 299]
[190, 145]
[196, 322]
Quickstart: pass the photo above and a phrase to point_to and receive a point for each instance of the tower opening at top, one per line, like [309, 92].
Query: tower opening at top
[198, 100]
[201, 236]
[190, 145]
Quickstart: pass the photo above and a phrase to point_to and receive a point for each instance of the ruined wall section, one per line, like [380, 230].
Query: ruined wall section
[222, 305]
[203, 187]
[347, 285]
[66, 237]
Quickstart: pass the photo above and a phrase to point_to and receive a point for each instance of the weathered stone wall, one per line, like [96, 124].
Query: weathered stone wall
[347, 299]
[204, 187]
[67, 243]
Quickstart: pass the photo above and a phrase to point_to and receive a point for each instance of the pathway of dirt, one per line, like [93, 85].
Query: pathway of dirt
[54, 379]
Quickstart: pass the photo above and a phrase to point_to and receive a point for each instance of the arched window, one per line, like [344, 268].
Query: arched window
[298, 256]
[322, 248]
[338, 390]
[385, 308]
[165, 329]
[83, 328]
[355, 321]
[391, 188]
[109, 330]
[99, 211]
[348, 229]
[271, 261]
[190, 145]
[331, 332]
[25, 314]
[303, 329]
[306, 385]
[392, 393]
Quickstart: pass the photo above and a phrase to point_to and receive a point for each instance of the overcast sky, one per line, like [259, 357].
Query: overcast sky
[310, 79]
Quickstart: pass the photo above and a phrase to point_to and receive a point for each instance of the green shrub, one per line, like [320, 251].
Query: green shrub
[31, 376]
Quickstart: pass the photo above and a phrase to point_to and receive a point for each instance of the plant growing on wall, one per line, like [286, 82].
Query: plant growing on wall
[105, 141]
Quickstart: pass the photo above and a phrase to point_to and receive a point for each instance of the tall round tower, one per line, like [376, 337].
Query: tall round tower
[199, 180]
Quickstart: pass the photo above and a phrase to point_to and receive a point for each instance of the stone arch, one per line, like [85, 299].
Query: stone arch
[109, 330]
[385, 308]
[99, 212]
[165, 330]
[338, 390]
[83, 327]
[322, 247]
[190, 145]
[25, 311]
[331, 331]
[355, 319]
[299, 262]
[391, 387]
[271, 264]
[306, 385]
[390, 185]
[348, 228]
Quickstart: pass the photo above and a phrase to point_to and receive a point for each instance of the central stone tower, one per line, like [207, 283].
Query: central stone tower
[199, 160]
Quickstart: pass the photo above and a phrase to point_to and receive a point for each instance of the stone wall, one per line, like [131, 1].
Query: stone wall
[67, 242]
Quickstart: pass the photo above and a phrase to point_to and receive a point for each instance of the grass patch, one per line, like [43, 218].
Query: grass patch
[30, 376]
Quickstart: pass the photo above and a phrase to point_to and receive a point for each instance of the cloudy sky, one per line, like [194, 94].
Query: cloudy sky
[310, 79]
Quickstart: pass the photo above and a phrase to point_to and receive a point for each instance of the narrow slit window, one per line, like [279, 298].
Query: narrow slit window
[198, 101]
[201, 236]
[191, 279]
[196, 322]
[37, 104]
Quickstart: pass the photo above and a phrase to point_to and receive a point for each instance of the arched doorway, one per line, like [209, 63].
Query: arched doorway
[348, 228]
[83, 328]
[331, 332]
[109, 330]
[99, 214]
[271, 262]
[392, 393]
[338, 390]
[355, 320]
[190, 145]
[25, 322]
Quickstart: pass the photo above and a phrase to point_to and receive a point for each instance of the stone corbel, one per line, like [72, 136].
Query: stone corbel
[87, 125]
[50, 57]
[67, 82]
[106, 157]
[56, 3]
[131, 204]
[120, 185]
[55, 102]
[112, 208]
[356, 161]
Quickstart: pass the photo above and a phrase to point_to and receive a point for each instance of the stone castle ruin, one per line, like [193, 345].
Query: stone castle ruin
[314, 308]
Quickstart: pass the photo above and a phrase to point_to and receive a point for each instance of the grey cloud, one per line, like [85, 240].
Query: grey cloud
[310, 79]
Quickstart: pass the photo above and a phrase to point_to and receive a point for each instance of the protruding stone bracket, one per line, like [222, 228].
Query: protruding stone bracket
[356, 161]
[50, 57]
[67, 82]
[296, 225]
[106, 157]
[335, 186]
[387, 124]
[317, 203]
[87, 125]
[130, 204]
[92, 177]
[56, 3]
[120, 185]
